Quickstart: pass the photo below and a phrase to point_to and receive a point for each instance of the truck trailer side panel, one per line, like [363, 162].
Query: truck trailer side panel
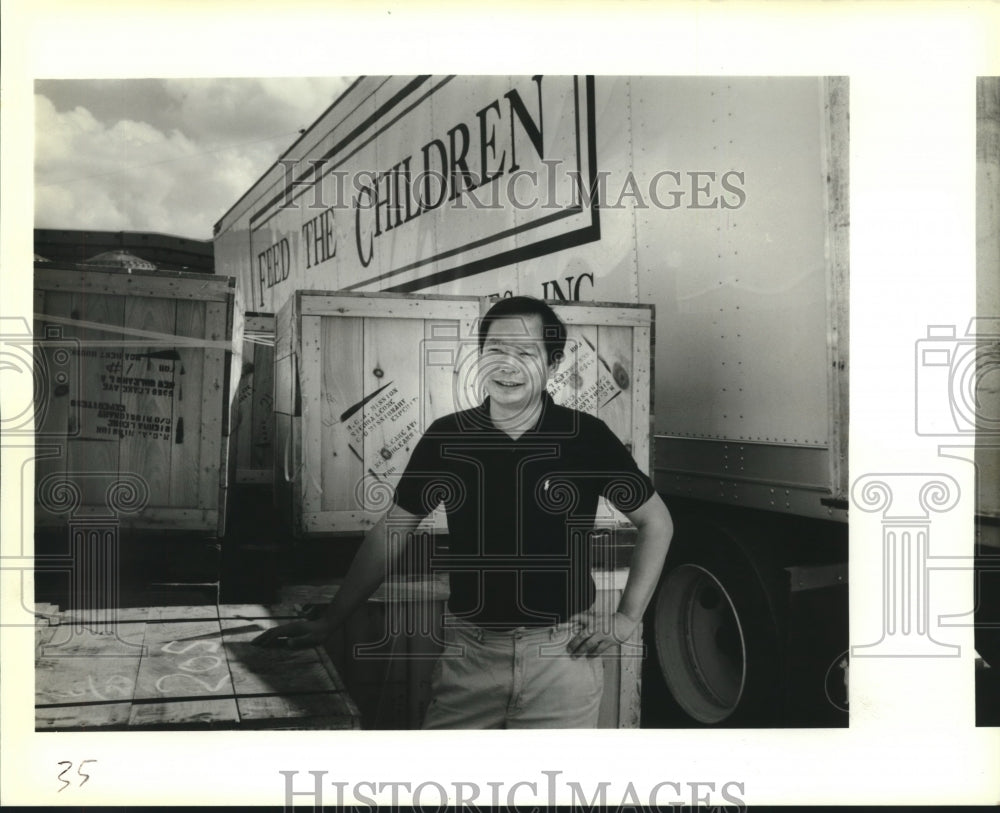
[705, 196]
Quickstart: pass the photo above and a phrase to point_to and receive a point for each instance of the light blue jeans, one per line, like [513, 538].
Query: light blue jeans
[523, 678]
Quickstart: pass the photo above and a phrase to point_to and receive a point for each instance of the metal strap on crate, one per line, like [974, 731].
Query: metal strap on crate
[150, 337]
[259, 337]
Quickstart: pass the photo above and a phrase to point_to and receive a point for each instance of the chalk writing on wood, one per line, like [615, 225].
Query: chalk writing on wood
[200, 664]
[113, 687]
[214, 662]
[172, 646]
[222, 681]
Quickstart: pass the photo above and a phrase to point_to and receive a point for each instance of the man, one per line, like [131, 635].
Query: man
[520, 478]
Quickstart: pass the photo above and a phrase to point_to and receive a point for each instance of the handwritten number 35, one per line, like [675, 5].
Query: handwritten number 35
[79, 771]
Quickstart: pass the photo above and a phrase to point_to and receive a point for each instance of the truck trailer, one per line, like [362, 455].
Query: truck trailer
[721, 202]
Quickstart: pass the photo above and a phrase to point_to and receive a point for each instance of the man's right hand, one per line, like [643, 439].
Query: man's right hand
[296, 635]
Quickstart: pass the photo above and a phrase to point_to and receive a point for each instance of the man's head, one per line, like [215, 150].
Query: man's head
[521, 343]
[553, 330]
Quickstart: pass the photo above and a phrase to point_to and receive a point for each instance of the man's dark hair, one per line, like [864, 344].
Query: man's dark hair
[553, 330]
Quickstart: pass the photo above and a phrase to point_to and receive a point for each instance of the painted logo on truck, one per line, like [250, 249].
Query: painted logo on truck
[431, 182]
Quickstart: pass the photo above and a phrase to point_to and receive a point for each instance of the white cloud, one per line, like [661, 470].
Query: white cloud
[173, 169]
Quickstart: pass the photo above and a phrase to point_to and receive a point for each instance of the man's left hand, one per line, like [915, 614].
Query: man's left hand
[600, 632]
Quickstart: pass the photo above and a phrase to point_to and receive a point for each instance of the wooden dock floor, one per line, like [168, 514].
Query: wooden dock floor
[186, 667]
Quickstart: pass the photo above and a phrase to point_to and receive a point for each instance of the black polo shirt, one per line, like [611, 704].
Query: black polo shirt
[519, 511]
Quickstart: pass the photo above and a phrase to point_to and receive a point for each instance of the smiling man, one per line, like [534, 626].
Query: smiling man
[520, 478]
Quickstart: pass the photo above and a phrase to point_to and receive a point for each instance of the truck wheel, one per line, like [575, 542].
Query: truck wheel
[717, 634]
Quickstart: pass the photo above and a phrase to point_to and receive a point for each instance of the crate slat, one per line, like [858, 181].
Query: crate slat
[147, 397]
[393, 307]
[594, 313]
[94, 446]
[185, 713]
[213, 381]
[53, 425]
[391, 414]
[102, 715]
[327, 711]
[341, 465]
[164, 284]
[186, 471]
[311, 452]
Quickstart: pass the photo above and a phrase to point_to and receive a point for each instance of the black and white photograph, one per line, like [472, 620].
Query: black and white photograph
[389, 369]
[629, 392]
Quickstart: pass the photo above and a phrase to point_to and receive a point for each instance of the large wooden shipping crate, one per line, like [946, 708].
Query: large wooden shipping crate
[254, 426]
[359, 377]
[137, 373]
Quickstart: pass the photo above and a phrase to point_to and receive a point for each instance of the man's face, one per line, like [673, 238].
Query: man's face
[513, 364]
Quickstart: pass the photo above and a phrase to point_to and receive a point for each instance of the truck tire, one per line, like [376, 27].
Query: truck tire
[717, 629]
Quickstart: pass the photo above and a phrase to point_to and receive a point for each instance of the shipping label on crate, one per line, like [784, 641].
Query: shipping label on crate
[386, 422]
[107, 376]
[585, 380]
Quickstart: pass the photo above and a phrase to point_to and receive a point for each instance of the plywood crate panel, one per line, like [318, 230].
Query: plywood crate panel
[136, 393]
[359, 377]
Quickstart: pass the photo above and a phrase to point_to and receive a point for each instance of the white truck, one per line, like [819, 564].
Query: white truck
[721, 201]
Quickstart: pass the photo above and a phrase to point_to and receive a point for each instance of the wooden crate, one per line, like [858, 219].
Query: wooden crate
[137, 377]
[254, 424]
[358, 378]
[386, 651]
[182, 668]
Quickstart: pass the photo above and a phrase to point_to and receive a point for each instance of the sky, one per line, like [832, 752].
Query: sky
[162, 155]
